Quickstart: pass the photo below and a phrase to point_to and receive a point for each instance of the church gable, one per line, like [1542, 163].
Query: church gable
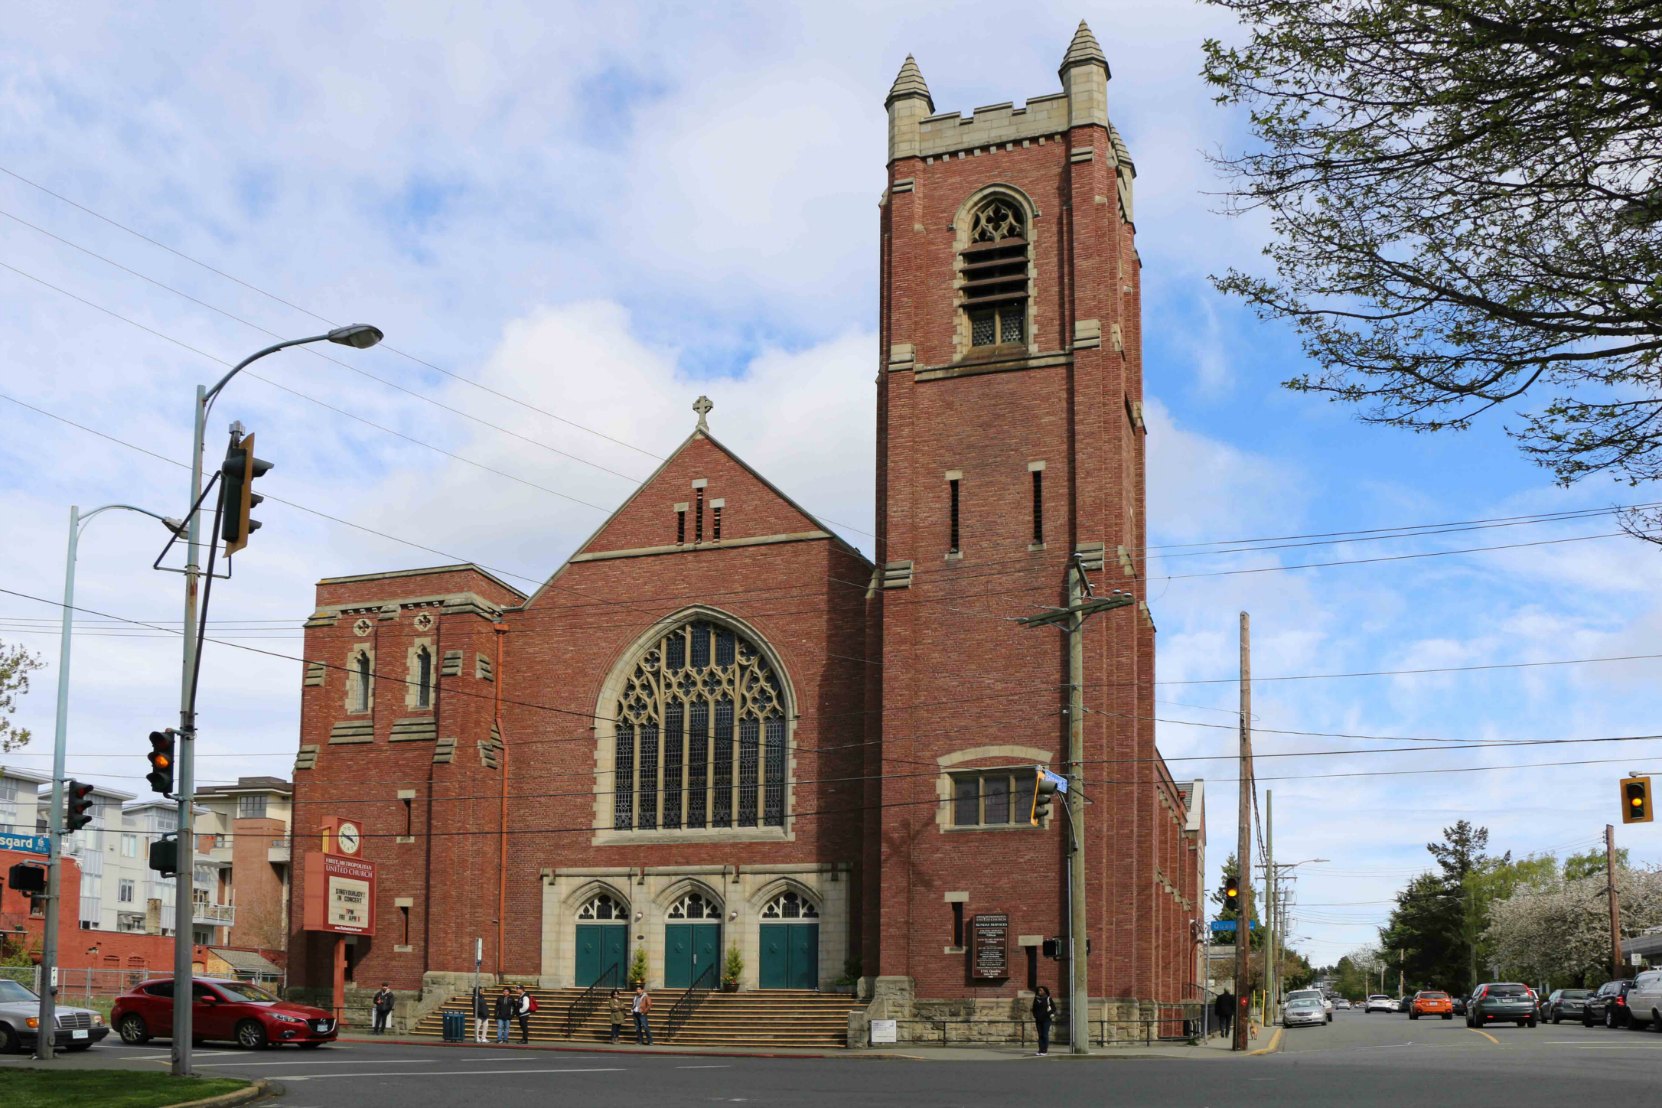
[702, 497]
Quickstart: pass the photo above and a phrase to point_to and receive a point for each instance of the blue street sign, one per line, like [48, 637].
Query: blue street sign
[1056, 779]
[1228, 926]
[32, 844]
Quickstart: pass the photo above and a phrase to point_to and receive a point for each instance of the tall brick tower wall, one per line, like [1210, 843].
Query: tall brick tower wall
[1010, 437]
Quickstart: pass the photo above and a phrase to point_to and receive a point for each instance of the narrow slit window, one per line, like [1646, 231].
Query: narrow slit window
[680, 526]
[1038, 506]
[363, 682]
[424, 678]
[957, 923]
[1032, 969]
[715, 523]
[952, 493]
[409, 817]
[404, 910]
[698, 516]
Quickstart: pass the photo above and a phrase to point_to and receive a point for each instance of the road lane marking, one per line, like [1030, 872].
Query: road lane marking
[703, 1067]
[325, 1062]
[442, 1073]
[1485, 1034]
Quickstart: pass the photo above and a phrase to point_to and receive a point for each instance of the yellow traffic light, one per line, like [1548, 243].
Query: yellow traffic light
[1636, 800]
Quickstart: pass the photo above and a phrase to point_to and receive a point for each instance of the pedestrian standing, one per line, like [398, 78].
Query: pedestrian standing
[1044, 1014]
[641, 1007]
[382, 1003]
[526, 1006]
[506, 1005]
[481, 1015]
[1225, 1009]
[618, 1007]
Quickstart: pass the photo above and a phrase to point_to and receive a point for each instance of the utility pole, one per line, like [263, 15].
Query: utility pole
[1615, 904]
[1272, 966]
[1243, 846]
[1081, 604]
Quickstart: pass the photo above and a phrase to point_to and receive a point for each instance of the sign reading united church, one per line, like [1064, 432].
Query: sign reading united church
[340, 895]
[990, 952]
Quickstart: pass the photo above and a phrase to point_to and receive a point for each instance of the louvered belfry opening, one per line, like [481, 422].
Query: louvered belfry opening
[994, 267]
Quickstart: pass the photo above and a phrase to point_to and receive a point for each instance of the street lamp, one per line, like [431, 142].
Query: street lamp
[44, 1042]
[360, 336]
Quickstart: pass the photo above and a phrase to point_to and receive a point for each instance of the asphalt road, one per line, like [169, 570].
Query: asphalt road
[1366, 1061]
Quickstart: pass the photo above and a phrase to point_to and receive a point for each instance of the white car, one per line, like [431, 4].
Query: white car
[1316, 995]
[1644, 999]
[1379, 1002]
[1304, 1010]
[78, 1028]
[1342, 1003]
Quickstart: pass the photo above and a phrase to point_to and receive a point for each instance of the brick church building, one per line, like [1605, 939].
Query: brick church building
[719, 725]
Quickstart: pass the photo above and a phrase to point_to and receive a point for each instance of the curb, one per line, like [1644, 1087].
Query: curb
[1275, 1044]
[607, 1048]
[255, 1091]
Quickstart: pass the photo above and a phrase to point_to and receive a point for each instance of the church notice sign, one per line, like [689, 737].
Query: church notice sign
[990, 953]
[340, 895]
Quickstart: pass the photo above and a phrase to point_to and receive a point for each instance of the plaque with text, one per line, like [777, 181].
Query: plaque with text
[340, 895]
[990, 949]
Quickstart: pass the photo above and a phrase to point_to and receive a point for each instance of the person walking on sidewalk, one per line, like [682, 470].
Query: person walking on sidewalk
[1044, 1014]
[642, 1011]
[505, 1008]
[618, 1007]
[481, 1015]
[382, 1002]
[1225, 1009]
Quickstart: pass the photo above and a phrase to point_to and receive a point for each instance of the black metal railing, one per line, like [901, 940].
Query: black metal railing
[580, 1008]
[683, 1009]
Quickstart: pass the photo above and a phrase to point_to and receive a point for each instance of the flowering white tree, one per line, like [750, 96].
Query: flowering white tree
[1559, 930]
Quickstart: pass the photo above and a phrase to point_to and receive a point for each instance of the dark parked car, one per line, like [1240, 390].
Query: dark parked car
[1404, 1003]
[1565, 1004]
[1499, 1001]
[234, 1010]
[1608, 1004]
[1459, 1005]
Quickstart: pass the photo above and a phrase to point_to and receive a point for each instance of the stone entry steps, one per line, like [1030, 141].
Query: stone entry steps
[758, 1018]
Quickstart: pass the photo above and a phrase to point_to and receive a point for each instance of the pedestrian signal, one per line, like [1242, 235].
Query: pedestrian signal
[1636, 800]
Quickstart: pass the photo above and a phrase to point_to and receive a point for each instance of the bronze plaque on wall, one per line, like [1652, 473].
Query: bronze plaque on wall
[990, 949]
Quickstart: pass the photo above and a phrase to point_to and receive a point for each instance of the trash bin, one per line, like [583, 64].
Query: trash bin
[455, 1026]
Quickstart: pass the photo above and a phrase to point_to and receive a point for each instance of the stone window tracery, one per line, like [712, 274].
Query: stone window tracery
[694, 906]
[603, 907]
[994, 267]
[788, 905]
[677, 765]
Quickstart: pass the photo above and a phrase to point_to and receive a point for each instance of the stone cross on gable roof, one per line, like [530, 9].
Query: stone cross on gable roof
[703, 406]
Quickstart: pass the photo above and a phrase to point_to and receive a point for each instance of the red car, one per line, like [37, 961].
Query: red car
[234, 1010]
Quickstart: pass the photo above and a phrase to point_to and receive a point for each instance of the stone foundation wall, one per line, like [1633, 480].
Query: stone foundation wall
[967, 1021]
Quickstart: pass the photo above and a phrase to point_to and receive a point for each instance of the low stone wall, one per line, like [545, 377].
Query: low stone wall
[1005, 1020]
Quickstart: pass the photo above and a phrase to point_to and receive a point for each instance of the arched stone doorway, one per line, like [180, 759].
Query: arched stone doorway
[602, 941]
[692, 942]
[789, 943]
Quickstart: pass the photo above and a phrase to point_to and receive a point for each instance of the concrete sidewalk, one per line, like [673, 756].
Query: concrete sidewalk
[1212, 1049]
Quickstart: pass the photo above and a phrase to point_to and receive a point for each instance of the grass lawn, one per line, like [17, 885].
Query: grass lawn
[20, 1088]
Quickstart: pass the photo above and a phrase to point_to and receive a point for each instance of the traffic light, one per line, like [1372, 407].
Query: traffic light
[1044, 791]
[236, 493]
[1232, 891]
[27, 878]
[164, 855]
[1636, 800]
[1053, 949]
[77, 806]
[161, 762]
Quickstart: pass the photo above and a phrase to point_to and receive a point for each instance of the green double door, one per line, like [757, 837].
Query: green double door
[600, 947]
[689, 950]
[790, 956]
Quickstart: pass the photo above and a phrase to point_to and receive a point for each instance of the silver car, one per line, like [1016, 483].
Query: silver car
[1304, 1010]
[78, 1028]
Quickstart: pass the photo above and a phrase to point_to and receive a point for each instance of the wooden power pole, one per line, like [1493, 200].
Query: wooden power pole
[1243, 848]
[1615, 905]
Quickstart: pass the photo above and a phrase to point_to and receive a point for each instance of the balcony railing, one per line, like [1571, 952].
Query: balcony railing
[222, 914]
[278, 852]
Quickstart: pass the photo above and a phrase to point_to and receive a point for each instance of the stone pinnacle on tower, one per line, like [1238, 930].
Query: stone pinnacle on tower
[1083, 50]
[909, 82]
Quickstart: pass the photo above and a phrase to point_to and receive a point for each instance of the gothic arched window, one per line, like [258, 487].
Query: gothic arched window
[994, 269]
[602, 906]
[362, 681]
[424, 678]
[694, 906]
[700, 735]
[790, 906]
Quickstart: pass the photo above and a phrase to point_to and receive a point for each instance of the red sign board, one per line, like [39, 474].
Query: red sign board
[340, 895]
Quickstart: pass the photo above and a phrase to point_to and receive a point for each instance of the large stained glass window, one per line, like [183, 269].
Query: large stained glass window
[700, 736]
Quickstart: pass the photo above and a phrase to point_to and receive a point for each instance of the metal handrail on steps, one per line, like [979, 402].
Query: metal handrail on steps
[583, 1005]
[701, 987]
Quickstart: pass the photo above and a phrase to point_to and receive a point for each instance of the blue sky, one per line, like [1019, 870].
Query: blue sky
[607, 209]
